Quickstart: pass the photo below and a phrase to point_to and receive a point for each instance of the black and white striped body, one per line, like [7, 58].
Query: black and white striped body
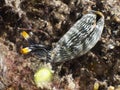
[80, 38]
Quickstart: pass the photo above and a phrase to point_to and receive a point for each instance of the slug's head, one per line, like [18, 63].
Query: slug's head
[38, 49]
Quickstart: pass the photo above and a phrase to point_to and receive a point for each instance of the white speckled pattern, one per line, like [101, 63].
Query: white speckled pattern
[80, 38]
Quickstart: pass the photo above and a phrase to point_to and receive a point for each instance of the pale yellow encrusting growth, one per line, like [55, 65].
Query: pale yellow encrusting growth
[96, 86]
[43, 76]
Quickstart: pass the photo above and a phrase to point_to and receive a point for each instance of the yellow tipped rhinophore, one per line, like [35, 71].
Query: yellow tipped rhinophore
[25, 35]
[25, 50]
[43, 76]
